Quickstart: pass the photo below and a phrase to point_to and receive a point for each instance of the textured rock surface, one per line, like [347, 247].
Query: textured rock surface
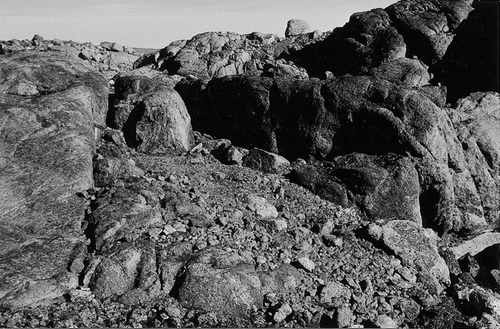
[296, 27]
[384, 35]
[151, 115]
[49, 107]
[384, 187]
[415, 247]
[199, 239]
[216, 279]
[219, 54]
[364, 115]
[108, 58]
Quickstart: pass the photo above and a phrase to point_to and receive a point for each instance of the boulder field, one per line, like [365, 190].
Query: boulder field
[348, 178]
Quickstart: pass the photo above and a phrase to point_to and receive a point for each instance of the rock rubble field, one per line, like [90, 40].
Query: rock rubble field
[346, 179]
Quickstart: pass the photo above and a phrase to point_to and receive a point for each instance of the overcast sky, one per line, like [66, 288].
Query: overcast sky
[156, 23]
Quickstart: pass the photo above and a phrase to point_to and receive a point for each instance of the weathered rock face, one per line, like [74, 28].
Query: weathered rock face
[383, 186]
[151, 115]
[49, 106]
[477, 122]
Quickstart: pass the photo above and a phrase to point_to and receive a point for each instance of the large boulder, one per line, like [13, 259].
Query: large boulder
[49, 108]
[296, 27]
[151, 115]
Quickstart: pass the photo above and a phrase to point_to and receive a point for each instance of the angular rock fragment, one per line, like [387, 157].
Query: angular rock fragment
[266, 161]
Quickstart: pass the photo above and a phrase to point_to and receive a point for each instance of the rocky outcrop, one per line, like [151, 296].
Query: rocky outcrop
[50, 106]
[367, 115]
[380, 36]
[477, 123]
[219, 54]
[109, 58]
[151, 115]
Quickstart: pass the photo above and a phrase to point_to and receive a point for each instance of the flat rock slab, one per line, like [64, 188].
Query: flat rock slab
[49, 106]
[476, 245]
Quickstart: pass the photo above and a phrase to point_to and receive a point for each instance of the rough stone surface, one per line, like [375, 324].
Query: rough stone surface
[414, 246]
[364, 115]
[49, 106]
[216, 279]
[383, 186]
[151, 114]
[105, 58]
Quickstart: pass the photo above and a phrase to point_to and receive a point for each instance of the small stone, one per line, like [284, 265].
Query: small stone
[332, 294]
[261, 259]
[282, 312]
[280, 225]
[77, 266]
[384, 321]
[173, 312]
[344, 316]
[306, 264]
[261, 206]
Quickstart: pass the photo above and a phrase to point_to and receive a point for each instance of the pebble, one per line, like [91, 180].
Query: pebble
[169, 229]
[261, 206]
[282, 312]
[306, 264]
[280, 225]
[332, 292]
[344, 316]
[384, 321]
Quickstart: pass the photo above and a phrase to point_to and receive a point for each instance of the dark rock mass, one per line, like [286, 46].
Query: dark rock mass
[349, 178]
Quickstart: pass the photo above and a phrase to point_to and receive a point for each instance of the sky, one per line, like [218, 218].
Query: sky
[156, 23]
